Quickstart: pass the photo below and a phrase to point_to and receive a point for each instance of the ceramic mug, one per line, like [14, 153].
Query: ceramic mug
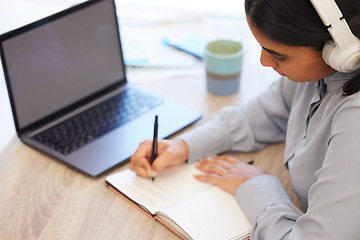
[223, 63]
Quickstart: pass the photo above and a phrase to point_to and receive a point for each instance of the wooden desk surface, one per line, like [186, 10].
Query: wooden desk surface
[43, 199]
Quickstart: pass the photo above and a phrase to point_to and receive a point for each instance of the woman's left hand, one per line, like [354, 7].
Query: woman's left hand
[226, 172]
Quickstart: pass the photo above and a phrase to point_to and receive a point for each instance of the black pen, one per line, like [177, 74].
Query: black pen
[155, 142]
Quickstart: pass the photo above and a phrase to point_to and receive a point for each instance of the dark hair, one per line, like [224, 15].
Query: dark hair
[296, 23]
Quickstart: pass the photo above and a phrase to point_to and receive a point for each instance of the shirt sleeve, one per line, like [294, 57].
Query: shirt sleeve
[268, 206]
[245, 128]
[334, 198]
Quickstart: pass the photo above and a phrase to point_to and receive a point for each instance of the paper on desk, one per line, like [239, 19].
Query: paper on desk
[145, 35]
[158, 53]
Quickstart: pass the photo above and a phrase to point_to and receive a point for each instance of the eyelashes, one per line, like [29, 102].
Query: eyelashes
[277, 59]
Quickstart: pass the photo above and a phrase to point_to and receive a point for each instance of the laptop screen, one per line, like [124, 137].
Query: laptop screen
[63, 60]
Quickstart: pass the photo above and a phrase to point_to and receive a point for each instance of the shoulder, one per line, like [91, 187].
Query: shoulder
[347, 113]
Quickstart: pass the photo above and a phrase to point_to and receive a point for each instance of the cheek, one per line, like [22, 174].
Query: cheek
[304, 71]
[296, 73]
[289, 70]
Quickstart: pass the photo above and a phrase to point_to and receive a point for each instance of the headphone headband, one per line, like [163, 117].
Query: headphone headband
[344, 53]
[328, 11]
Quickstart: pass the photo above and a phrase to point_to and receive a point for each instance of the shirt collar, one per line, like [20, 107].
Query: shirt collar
[338, 79]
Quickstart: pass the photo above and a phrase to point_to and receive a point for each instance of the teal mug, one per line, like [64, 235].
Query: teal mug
[223, 63]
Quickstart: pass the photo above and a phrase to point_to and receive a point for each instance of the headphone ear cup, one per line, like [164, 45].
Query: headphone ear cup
[342, 60]
[329, 55]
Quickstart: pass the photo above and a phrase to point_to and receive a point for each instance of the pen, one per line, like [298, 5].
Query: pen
[155, 142]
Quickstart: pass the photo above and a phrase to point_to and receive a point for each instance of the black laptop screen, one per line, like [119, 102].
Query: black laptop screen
[63, 61]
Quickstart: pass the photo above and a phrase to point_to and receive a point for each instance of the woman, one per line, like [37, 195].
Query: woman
[313, 108]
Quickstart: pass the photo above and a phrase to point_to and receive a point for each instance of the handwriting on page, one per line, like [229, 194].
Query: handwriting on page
[153, 193]
[171, 186]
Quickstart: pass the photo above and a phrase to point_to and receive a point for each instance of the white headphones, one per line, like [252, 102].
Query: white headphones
[342, 54]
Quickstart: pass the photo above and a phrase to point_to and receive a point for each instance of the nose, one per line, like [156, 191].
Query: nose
[267, 60]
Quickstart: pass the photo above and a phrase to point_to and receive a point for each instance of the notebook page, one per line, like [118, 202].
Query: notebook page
[212, 214]
[171, 186]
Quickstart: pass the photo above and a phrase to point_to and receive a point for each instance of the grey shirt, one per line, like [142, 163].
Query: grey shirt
[321, 129]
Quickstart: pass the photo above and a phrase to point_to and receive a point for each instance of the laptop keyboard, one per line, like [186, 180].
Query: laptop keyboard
[81, 129]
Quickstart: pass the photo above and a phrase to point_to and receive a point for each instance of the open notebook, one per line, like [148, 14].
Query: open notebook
[191, 209]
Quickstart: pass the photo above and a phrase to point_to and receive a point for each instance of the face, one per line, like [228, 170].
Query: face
[299, 64]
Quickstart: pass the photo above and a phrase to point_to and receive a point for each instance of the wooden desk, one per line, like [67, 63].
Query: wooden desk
[44, 199]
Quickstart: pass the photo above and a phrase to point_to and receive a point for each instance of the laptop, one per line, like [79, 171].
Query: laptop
[69, 95]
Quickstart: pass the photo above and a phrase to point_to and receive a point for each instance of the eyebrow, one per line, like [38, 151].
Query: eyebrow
[273, 52]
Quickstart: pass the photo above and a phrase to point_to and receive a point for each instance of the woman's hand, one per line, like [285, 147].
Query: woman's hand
[170, 153]
[226, 172]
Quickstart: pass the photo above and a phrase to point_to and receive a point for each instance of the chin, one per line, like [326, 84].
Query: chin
[282, 74]
[292, 79]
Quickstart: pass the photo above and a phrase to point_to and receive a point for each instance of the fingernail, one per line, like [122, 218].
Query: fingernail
[154, 173]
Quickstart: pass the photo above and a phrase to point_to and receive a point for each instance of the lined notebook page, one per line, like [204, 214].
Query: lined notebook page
[211, 214]
[171, 186]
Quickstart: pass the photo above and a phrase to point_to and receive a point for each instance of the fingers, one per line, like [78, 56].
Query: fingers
[226, 172]
[217, 164]
[221, 165]
[209, 178]
[170, 153]
[212, 167]
[225, 158]
[139, 161]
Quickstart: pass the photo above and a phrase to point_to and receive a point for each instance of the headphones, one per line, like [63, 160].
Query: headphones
[342, 54]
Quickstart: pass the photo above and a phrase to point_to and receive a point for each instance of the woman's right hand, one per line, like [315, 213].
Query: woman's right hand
[170, 153]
